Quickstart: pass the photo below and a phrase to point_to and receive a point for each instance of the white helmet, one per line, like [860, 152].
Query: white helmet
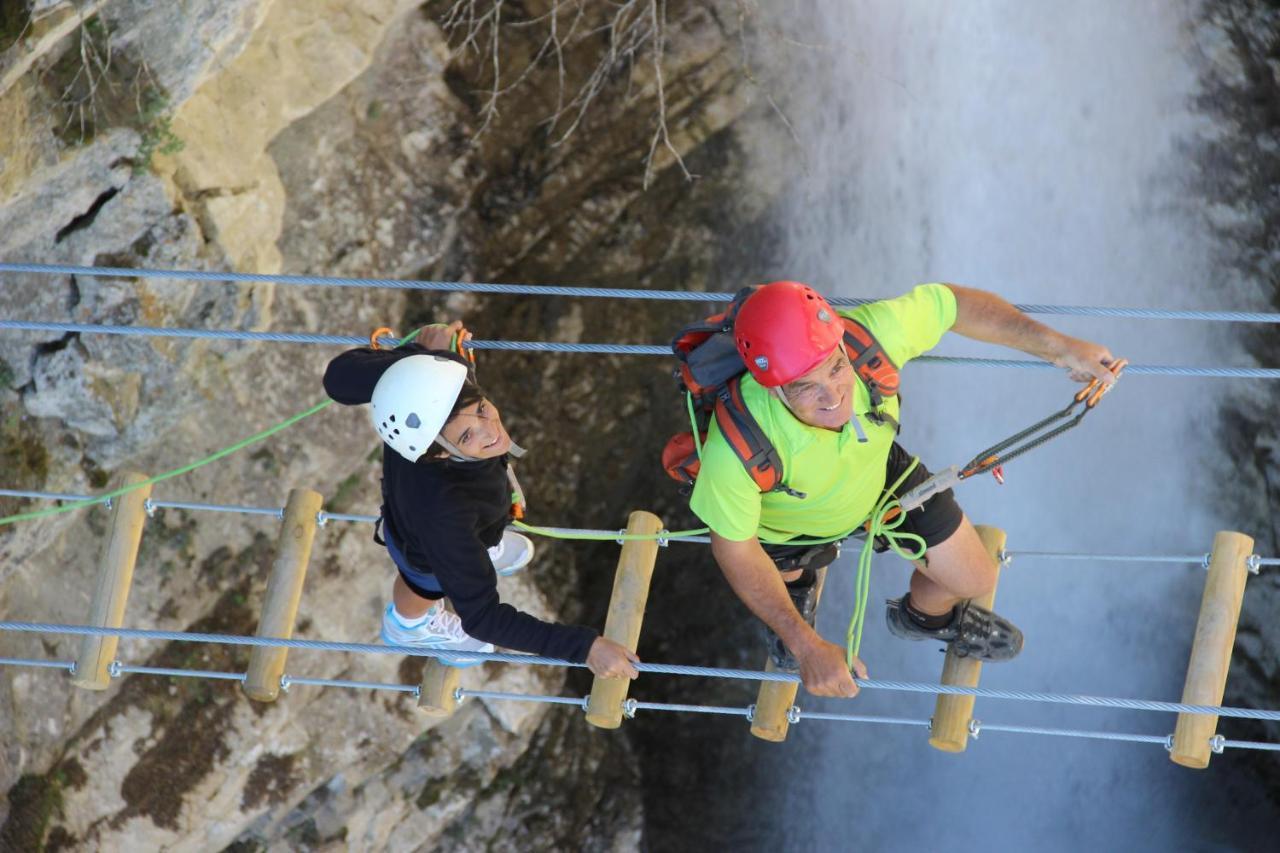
[412, 401]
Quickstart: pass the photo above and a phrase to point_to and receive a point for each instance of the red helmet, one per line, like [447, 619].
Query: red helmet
[784, 330]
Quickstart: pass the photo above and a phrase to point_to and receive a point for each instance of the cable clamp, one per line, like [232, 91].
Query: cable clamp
[621, 540]
[71, 668]
[663, 541]
[458, 693]
[751, 713]
[585, 703]
[629, 708]
[975, 727]
[1168, 743]
[285, 681]
[416, 692]
[107, 504]
[1254, 563]
[322, 518]
[1204, 564]
[929, 725]
[793, 714]
[280, 513]
[1004, 558]
[1218, 744]
[114, 669]
[149, 507]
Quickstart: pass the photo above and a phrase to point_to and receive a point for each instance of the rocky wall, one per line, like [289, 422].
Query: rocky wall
[335, 138]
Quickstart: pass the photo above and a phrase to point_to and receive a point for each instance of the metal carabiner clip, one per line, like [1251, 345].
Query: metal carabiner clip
[1096, 389]
[379, 333]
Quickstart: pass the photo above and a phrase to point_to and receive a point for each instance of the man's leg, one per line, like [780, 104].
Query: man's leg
[955, 569]
[799, 567]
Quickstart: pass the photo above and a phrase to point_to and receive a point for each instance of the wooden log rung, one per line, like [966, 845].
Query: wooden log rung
[284, 593]
[115, 578]
[626, 614]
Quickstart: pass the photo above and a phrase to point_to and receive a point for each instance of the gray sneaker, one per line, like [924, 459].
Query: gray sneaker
[442, 630]
[972, 632]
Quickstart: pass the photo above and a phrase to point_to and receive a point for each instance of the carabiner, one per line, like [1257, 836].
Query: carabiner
[1096, 390]
[461, 344]
[378, 333]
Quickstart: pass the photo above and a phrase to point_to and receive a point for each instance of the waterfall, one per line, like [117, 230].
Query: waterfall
[1036, 150]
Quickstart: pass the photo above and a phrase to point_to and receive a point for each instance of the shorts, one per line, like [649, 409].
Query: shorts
[934, 521]
[422, 584]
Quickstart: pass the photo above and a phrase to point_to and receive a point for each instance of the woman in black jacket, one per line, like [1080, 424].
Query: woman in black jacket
[447, 496]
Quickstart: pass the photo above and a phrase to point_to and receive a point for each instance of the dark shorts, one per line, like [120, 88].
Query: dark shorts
[423, 584]
[934, 522]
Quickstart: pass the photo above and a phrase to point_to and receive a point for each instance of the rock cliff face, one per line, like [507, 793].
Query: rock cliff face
[336, 138]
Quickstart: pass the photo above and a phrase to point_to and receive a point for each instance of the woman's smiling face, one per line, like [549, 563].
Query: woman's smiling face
[477, 431]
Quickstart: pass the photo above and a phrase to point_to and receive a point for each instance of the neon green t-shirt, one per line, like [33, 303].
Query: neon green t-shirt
[841, 477]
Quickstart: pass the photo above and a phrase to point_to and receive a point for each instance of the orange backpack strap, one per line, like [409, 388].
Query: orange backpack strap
[870, 362]
[752, 447]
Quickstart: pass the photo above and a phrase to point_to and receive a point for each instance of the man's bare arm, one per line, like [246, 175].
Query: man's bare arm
[756, 580]
[986, 317]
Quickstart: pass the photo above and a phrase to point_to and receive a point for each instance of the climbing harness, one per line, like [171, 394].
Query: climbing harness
[994, 457]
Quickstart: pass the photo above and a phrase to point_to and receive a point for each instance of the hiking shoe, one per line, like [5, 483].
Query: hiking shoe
[441, 630]
[806, 602]
[512, 554]
[972, 632]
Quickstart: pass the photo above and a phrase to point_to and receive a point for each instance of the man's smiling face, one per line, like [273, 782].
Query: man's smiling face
[823, 397]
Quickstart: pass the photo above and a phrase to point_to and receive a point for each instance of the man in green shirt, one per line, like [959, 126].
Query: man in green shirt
[839, 454]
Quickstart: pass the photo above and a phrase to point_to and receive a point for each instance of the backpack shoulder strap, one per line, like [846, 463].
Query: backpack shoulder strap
[743, 433]
[870, 362]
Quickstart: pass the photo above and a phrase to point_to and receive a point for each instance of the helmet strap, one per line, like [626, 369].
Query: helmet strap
[782, 395]
[454, 453]
[458, 456]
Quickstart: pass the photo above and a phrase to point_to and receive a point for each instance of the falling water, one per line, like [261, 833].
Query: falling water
[1035, 150]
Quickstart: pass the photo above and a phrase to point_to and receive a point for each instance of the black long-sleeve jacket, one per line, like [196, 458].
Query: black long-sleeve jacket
[445, 514]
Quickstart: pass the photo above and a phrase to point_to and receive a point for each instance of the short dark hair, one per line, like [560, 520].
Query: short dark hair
[470, 393]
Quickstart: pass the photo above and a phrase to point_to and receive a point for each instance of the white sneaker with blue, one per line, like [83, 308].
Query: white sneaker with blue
[435, 629]
[512, 554]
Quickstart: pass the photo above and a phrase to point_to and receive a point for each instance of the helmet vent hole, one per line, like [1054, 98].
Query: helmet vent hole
[413, 421]
[392, 418]
[413, 449]
[396, 431]
[384, 424]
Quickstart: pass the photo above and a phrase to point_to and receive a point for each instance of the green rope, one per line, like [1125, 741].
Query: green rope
[879, 526]
[159, 478]
[226, 451]
[606, 537]
[693, 424]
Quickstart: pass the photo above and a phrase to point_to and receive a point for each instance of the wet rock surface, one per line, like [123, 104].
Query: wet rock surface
[1240, 179]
